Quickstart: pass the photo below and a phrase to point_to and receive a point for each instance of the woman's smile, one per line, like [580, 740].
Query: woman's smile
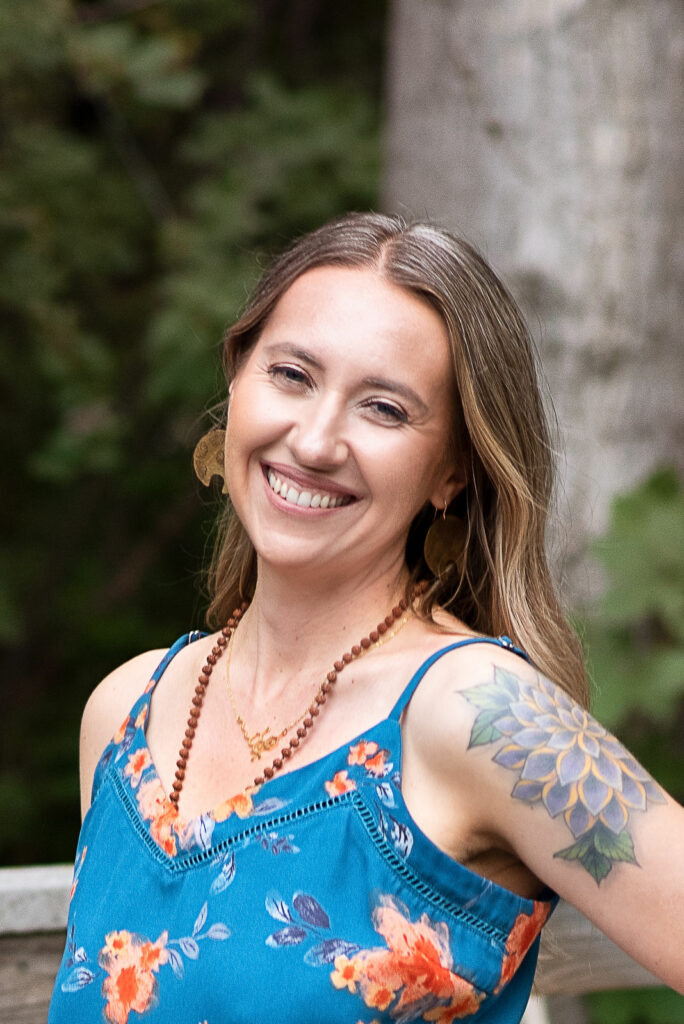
[294, 490]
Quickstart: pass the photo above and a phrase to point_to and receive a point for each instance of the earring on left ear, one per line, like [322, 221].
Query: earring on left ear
[445, 543]
[208, 457]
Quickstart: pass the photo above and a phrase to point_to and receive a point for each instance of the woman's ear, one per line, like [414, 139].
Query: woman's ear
[449, 486]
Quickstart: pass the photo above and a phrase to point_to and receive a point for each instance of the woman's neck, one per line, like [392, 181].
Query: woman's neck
[296, 630]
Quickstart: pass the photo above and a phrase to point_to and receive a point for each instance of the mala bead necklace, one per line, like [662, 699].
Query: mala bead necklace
[198, 700]
[307, 719]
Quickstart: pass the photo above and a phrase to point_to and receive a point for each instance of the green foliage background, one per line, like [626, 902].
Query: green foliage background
[154, 154]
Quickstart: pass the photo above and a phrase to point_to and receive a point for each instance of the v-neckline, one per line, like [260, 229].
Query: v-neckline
[314, 766]
[394, 714]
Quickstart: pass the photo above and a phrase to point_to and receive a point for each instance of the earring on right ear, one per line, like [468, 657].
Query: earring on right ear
[445, 543]
[208, 457]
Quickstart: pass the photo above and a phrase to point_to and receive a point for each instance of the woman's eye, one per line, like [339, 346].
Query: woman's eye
[386, 411]
[288, 374]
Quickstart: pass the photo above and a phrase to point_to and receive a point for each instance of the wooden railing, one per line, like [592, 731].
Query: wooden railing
[575, 957]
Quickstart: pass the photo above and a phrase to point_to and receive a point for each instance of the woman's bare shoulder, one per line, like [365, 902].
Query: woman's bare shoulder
[106, 708]
[469, 671]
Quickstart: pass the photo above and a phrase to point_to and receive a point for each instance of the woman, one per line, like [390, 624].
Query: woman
[305, 818]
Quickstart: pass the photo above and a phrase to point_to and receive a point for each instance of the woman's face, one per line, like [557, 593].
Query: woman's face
[339, 422]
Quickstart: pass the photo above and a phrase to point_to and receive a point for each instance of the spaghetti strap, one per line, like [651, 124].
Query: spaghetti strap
[500, 641]
[178, 645]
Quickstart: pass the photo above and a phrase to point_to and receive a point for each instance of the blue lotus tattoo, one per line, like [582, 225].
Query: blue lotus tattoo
[566, 761]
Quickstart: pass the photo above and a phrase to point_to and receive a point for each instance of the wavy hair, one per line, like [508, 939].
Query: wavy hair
[503, 583]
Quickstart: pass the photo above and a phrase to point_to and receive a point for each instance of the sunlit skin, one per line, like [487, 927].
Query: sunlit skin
[333, 397]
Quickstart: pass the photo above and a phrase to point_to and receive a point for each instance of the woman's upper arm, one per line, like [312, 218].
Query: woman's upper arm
[106, 708]
[577, 809]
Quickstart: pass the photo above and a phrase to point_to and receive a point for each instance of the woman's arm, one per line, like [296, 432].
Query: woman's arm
[572, 803]
[107, 706]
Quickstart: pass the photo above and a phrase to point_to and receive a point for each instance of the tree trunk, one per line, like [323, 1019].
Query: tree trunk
[549, 133]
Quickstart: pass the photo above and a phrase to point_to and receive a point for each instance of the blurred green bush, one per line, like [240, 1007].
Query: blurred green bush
[634, 635]
[154, 154]
[634, 639]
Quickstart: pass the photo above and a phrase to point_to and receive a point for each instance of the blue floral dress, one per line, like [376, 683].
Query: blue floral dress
[315, 899]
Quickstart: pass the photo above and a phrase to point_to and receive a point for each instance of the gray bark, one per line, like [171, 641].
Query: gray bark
[549, 133]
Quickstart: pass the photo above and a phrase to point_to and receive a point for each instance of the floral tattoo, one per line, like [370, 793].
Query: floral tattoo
[566, 761]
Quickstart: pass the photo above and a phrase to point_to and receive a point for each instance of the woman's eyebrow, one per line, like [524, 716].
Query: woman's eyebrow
[287, 349]
[381, 383]
[385, 384]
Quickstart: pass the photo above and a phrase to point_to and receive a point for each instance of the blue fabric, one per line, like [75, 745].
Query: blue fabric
[315, 899]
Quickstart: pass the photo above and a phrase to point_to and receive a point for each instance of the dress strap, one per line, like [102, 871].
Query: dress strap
[180, 643]
[498, 641]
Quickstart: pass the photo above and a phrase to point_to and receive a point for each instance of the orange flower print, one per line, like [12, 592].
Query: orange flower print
[163, 816]
[142, 716]
[378, 996]
[346, 974]
[360, 751]
[121, 731]
[340, 783]
[136, 765]
[131, 963]
[523, 933]
[415, 968]
[377, 765]
[241, 804]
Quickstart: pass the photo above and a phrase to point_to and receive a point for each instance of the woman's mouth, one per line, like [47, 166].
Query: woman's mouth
[304, 497]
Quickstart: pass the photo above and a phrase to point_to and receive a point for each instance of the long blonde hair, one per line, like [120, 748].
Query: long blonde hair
[503, 584]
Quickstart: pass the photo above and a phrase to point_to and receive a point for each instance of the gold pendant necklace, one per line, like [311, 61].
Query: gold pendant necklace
[259, 742]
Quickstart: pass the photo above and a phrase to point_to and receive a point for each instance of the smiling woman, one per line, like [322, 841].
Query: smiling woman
[387, 626]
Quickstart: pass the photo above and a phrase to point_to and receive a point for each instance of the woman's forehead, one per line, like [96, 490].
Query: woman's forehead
[342, 310]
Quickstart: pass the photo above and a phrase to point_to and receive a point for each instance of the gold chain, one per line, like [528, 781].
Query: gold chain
[260, 742]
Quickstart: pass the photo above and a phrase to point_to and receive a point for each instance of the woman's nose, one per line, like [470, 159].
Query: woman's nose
[316, 439]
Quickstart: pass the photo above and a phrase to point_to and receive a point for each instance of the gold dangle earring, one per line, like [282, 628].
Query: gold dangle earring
[208, 457]
[445, 543]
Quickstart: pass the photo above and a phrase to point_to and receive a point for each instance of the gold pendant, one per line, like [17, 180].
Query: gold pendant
[260, 742]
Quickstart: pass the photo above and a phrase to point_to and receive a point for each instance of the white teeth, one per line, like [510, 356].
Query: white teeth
[303, 499]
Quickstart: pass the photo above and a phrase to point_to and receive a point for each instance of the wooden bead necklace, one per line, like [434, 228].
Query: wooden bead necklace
[309, 716]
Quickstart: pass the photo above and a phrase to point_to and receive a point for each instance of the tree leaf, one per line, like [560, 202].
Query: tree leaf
[310, 910]
[291, 936]
[189, 947]
[620, 847]
[201, 918]
[225, 878]
[176, 961]
[278, 908]
[77, 979]
[327, 951]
